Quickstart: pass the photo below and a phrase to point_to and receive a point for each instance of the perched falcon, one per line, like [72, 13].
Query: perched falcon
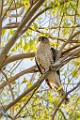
[45, 57]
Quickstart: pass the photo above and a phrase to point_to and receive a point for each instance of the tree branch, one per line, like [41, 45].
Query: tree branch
[55, 67]
[7, 10]
[62, 61]
[57, 108]
[17, 57]
[18, 31]
[8, 83]
[12, 79]
[64, 44]
[26, 103]
[10, 88]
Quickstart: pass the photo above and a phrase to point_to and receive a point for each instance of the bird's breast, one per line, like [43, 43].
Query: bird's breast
[44, 57]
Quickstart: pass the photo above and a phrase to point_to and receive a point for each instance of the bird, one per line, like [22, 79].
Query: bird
[45, 57]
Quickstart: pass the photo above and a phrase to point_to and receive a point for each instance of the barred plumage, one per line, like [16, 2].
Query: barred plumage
[45, 57]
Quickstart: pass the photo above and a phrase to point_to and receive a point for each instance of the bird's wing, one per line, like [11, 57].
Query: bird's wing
[38, 66]
[54, 53]
[42, 73]
[58, 72]
[54, 57]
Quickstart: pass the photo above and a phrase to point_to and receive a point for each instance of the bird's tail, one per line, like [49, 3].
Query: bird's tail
[62, 93]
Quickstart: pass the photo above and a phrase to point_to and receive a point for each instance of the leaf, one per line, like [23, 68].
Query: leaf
[75, 73]
[78, 112]
[69, 81]
[59, 88]
[50, 98]
[26, 3]
[56, 100]
[11, 32]
[78, 59]
[16, 107]
[68, 109]
[29, 84]
[3, 32]
[35, 26]
[73, 5]
[78, 119]
[24, 81]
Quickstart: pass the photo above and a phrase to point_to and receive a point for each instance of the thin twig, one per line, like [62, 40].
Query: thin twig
[63, 114]
[26, 102]
[59, 29]
[8, 84]
[15, 77]
[57, 108]
[2, 111]
[64, 44]
[15, 9]
[16, 66]
[7, 10]
[10, 88]
[1, 10]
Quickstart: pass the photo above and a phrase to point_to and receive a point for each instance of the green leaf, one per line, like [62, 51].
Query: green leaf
[59, 88]
[3, 32]
[24, 81]
[78, 119]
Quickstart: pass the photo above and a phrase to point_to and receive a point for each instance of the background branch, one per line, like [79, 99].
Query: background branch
[12, 79]
[53, 116]
[17, 57]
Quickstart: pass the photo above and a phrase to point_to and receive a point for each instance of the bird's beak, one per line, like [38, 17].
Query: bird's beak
[39, 42]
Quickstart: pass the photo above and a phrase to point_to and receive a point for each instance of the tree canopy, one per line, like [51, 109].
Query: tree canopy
[24, 93]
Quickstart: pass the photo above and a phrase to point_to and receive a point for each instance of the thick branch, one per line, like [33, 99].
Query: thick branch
[70, 49]
[40, 80]
[12, 79]
[64, 44]
[62, 61]
[17, 57]
[55, 67]
[57, 38]
[15, 25]
[60, 27]
[18, 31]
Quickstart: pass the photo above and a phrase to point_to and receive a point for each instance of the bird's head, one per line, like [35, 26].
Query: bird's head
[43, 40]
